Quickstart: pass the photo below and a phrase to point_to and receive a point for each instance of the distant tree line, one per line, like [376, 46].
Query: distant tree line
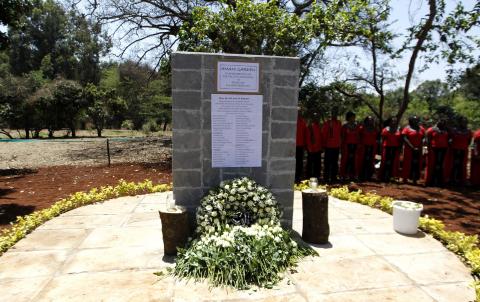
[52, 77]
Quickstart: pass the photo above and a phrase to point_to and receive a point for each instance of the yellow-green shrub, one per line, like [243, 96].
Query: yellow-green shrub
[26, 224]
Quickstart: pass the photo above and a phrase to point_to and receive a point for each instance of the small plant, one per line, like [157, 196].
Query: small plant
[408, 205]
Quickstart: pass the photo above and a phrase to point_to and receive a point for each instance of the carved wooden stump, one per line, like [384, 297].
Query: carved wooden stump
[175, 229]
[315, 216]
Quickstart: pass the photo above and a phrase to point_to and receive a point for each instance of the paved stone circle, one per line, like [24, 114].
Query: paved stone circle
[109, 252]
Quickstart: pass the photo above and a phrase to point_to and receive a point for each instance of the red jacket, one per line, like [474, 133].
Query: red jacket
[437, 138]
[461, 139]
[314, 138]
[391, 139]
[331, 133]
[301, 132]
[368, 138]
[414, 136]
[350, 136]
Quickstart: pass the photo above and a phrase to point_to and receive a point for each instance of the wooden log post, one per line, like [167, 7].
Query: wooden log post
[315, 216]
[175, 229]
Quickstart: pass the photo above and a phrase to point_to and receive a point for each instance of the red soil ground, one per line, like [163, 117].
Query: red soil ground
[458, 208]
[23, 191]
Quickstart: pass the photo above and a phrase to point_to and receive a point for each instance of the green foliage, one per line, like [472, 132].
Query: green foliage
[11, 13]
[248, 27]
[26, 224]
[241, 257]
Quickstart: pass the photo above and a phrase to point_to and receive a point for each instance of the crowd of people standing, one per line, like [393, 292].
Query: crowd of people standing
[438, 154]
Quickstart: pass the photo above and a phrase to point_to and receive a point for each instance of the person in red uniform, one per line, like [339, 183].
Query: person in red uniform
[367, 149]
[391, 143]
[437, 143]
[413, 136]
[475, 163]
[314, 148]
[301, 144]
[331, 136]
[457, 156]
[350, 139]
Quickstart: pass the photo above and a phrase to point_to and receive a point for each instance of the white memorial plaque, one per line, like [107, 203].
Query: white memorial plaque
[236, 130]
[238, 77]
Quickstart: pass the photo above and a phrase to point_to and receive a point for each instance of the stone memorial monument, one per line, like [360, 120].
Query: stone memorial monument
[233, 116]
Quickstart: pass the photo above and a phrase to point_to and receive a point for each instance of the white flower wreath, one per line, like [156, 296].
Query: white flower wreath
[239, 201]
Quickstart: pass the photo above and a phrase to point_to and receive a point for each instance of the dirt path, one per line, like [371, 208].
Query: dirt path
[82, 151]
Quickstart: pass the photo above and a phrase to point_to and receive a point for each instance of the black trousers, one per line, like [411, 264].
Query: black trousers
[437, 177]
[350, 166]
[389, 162]
[415, 168]
[368, 168]
[457, 166]
[299, 164]
[330, 164]
[314, 164]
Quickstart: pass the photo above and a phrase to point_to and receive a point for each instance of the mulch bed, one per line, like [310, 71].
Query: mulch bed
[23, 191]
[458, 208]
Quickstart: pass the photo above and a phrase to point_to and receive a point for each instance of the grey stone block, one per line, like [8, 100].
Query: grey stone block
[186, 120]
[287, 97]
[280, 130]
[281, 181]
[282, 165]
[186, 61]
[282, 149]
[189, 197]
[207, 115]
[260, 174]
[186, 159]
[187, 178]
[284, 197]
[210, 61]
[284, 114]
[209, 84]
[207, 145]
[211, 176]
[229, 176]
[236, 170]
[287, 64]
[186, 100]
[186, 80]
[265, 117]
[186, 140]
[265, 144]
[286, 80]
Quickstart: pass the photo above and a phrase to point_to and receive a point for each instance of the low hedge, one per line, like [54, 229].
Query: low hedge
[465, 246]
[26, 224]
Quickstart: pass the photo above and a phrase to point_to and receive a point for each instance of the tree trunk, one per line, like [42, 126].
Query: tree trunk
[27, 133]
[6, 133]
[99, 132]
[73, 131]
[50, 133]
[165, 126]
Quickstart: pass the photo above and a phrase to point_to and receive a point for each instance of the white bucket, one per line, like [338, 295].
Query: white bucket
[405, 216]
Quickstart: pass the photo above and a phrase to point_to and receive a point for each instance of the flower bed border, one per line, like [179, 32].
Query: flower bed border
[464, 246]
[26, 224]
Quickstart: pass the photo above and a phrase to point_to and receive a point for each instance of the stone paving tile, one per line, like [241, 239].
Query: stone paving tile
[432, 268]
[51, 240]
[124, 237]
[155, 198]
[397, 244]
[21, 290]
[108, 286]
[343, 246]
[394, 294]
[110, 207]
[149, 208]
[119, 258]
[327, 275]
[451, 292]
[148, 219]
[30, 264]
[202, 291]
[86, 222]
